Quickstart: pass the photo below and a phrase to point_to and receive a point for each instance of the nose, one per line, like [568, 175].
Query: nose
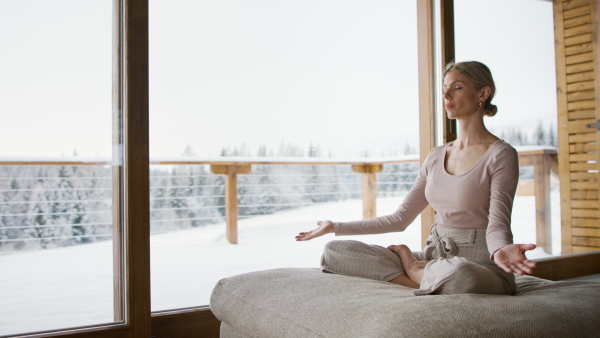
[445, 94]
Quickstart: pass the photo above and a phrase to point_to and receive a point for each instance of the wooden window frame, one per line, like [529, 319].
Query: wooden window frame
[131, 215]
[431, 62]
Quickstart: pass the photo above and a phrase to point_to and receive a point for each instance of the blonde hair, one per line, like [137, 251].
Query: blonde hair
[481, 76]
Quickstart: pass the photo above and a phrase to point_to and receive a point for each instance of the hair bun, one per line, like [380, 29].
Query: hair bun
[491, 110]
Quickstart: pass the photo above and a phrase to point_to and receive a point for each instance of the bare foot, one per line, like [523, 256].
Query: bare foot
[414, 269]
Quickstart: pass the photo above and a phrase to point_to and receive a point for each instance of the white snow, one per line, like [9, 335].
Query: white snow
[68, 287]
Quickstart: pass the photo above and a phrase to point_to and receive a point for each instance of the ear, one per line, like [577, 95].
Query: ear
[485, 93]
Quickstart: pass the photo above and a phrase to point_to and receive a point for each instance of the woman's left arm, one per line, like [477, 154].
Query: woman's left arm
[504, 179]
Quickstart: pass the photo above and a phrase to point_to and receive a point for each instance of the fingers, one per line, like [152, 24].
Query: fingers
[323, 228]
[518, 269]
[524, 265]
[512, 259]
[521, 268]
[527, 247]
[503, 266]
[519, 265]
[512, 268]
[304, 236]
[527, 266]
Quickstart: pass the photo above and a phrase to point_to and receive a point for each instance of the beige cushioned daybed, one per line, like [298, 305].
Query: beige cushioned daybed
[305, 302]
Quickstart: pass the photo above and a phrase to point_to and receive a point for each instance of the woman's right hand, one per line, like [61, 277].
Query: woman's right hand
[324, 227]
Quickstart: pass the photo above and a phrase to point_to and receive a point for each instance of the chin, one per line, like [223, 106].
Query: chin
[450, 116]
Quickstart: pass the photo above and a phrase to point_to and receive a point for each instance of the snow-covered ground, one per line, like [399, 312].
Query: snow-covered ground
[72, 286]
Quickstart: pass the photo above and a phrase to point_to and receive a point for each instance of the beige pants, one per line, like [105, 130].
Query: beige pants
[459, 263]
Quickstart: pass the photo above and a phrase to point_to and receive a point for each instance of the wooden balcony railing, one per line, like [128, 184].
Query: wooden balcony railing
[542, 159]
[544, 162]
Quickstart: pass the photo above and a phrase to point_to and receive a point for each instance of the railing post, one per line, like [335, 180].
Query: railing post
[369, 187]
[543, 213]
[231, 196]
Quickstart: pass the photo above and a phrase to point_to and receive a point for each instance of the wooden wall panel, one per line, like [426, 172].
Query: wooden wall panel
[576, 21]
[569, 5]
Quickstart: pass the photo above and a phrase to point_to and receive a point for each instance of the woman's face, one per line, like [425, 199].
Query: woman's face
[461, 98]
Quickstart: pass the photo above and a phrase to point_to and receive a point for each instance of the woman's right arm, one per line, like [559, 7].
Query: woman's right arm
[411, 207]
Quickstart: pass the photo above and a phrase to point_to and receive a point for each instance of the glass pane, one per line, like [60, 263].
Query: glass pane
[521, 58]
[55, 175]
[334, 80]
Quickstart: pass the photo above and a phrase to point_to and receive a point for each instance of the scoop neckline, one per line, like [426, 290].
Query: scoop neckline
[445, 152]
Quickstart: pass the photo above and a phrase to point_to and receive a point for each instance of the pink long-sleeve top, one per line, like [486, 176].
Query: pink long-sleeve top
[478, 199]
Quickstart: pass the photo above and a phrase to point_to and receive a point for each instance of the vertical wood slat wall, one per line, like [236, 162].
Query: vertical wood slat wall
[576, 35]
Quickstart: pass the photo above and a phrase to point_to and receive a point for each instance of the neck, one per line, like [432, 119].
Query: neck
[472, 131]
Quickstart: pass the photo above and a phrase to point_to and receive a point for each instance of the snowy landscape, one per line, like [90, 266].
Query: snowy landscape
[72, 286]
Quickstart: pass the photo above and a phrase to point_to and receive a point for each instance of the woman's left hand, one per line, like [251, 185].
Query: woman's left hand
[511, 259]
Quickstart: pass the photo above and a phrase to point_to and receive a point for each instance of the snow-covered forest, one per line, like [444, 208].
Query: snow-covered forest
[542, 135]
[48, 206]
[54, 206]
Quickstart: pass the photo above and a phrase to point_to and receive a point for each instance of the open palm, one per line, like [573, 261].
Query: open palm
[324, 227]
[512, 259]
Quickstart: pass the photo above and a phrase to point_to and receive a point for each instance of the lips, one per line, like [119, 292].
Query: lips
[448, 106]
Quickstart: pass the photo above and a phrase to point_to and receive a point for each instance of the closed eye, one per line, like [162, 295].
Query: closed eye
[455, 88]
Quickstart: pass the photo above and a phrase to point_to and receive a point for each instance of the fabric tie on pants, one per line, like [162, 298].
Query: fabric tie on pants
[460, 263]
[444, 246]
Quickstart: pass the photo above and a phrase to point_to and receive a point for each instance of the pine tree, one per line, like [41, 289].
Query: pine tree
[540, 135]
[409, 149]
[314, 150]
[552, 136]
[262, 151]
[188, 151]
[39, 225]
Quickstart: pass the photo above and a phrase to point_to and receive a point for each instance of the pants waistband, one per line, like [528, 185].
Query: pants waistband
[445, 240]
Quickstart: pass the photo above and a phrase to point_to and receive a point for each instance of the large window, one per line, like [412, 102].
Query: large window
[521, 58]
[56, 178]
[515, 39]
[264, 80]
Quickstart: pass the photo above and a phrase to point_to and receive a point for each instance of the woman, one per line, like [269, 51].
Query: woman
[471, 184]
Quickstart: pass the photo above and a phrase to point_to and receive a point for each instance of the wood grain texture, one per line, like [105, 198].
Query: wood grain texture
[568, 266]
[183, 324]
[425, 40]
[136, 166]
[562, 125]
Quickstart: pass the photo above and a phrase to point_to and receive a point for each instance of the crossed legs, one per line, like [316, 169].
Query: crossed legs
[354, 258]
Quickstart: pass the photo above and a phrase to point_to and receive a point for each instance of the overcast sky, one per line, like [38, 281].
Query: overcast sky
[341, 74]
